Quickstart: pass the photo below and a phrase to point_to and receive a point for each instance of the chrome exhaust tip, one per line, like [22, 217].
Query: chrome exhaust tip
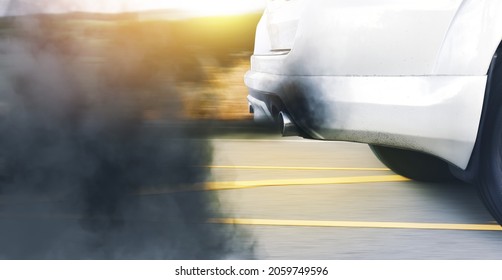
[288, 128]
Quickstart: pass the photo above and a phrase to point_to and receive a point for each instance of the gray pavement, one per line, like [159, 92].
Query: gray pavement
[389, 214]
[294, 199]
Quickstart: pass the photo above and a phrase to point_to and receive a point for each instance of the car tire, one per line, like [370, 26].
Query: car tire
[490, 173]
[489, 179]
[414, 165]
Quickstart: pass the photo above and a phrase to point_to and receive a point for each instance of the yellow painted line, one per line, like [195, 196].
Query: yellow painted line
[352, 224]
[296, 168]
[217, 186]
[221, 186]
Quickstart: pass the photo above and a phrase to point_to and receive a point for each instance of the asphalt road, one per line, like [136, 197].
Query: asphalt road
[294, 199]
[302, 199]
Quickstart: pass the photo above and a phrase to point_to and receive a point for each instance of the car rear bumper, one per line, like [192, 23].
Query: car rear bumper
[438, 115]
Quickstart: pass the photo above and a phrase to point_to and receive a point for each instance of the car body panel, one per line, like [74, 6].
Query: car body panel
[401, 73]
[472, 39]
[381, 113]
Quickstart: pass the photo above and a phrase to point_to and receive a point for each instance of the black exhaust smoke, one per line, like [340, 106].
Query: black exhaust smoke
[79, 151]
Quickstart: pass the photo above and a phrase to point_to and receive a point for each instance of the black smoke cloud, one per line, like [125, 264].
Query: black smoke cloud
[79, 154]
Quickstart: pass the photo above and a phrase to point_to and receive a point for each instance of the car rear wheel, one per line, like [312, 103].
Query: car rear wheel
[489, 179]
[490, 174]
[414, 165]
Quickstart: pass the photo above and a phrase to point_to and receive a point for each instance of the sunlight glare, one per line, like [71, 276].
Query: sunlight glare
[202, 7]
[188, 7]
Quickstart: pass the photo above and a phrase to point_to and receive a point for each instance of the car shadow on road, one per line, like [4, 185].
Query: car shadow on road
[456, 199]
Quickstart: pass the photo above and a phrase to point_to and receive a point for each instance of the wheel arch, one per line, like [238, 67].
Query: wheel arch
[492, 101]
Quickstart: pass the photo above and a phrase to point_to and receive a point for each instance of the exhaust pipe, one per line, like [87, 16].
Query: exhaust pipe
[288, 128]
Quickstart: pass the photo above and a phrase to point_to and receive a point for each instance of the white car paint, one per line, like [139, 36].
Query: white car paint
[473, 37]
[404, 73]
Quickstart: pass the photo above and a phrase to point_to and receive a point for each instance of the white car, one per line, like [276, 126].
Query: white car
[418, 80]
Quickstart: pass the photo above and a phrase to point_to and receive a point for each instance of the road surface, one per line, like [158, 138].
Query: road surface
[292, 198]
[302, 199]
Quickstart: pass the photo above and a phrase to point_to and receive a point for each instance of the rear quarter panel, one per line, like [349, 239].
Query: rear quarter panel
[366, 38]
[382, 38]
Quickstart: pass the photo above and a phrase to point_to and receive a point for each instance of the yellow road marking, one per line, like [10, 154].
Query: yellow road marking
[221, 186]
[352, 224]
[296, 168]
[216, 186]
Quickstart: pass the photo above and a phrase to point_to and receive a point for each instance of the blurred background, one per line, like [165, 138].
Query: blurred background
[203, 47]
[104, 142]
